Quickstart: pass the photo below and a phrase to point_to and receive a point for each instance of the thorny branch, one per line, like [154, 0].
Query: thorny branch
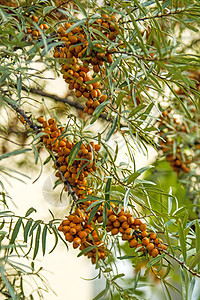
[36, 129]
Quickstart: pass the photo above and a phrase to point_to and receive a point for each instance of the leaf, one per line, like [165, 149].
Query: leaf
[104, 214]
[182, 239]
[126, 257]
[15, 231]
[117, 276]
[93, 212]
[107, 188]
[74, 152]
[100, 295]
[99, 110]
[56, 239]
[15, 152]
[126, 198]
[47, 9]
[30, 211]
[132, 177]
[19, 86]
[37, 242]
[86, 250]
[7, 283]
[34, 226]
[112, 128]
[155, 260]
[26, 229]
[195, 260]
[44, 237]
[197, 241]
[47, 160]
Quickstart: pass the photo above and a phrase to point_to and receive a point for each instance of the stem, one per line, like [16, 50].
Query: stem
[37, 130]
[194, 273]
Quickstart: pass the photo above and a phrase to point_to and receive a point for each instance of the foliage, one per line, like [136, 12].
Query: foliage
[142, 57]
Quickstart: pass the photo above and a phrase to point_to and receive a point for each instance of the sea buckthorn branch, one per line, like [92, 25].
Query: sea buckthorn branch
[182, 263]
[37, 130]
[27, 119]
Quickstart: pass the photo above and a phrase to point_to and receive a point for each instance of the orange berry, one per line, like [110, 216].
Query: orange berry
[103, 98]
[116, 223]
[82, 234]
[150, 247]
[40, 120]
[94, 94]
[137, 222]
[112, 218]
[133, 243]
[125, 225]
[69, 237]
[144, 234]
[97, 147]
[154, 252]
[114, 231]
[65, 222]
[131, 220]
[34, 18]
[95, 84]
[145, 241]
[65, 228]
[95, 104]
[63, 168]
[152, 236]
[143, 226]
[72, 231]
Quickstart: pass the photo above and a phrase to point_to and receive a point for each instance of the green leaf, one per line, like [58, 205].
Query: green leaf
[104, 214]
[56, 239]
[7, 283]
[44, 237]
[99, 110]
[19, 86]
[74, 152]
[26, 229]
[155, 260]
[34, 226]
[37, 242]
[107, 188]
[182, 239]
[112, 129]
[86, 250]
[195, 260]
[15, 152]
[93, 212]
[118, 276]
[197, 241]
[47, 9]
[100, 295]
[126, 198]
[15, 231]
[30, 211]
[132, 177]
[47, 160]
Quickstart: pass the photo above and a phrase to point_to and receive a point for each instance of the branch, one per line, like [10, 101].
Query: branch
[37, 130]
[79, 106]
[182, 264]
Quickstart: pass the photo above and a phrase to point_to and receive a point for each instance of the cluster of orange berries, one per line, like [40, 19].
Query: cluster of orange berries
[34, 33]
[134, 231]
[180, 161]
[85, 162]
[78, 231]
[78, 55]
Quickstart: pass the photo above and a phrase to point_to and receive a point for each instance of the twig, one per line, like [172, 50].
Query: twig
[37, 130]
[194, 273]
